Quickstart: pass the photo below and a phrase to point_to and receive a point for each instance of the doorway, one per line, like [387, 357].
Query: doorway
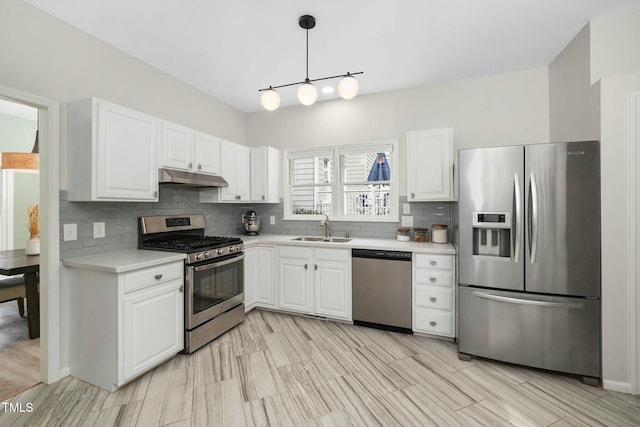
[49, 131]
[19, 196]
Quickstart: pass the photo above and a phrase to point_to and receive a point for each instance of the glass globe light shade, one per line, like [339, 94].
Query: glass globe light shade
[307, 94]
[348, 87]
[270, 99]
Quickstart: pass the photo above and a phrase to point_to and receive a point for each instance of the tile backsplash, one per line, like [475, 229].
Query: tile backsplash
[121, 220]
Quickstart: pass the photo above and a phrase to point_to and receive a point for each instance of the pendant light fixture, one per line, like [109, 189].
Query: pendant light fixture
[23, 161]
[307, 92]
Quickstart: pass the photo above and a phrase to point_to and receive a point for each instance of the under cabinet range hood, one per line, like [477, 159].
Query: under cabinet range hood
[189, 179]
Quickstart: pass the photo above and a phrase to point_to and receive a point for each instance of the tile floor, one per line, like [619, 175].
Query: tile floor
[282, 370]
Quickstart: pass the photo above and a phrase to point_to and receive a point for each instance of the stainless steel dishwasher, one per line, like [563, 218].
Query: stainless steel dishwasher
[382, 289]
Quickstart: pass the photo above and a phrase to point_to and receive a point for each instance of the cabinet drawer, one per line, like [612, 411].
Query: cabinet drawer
[433, 321]
[434, 297]
[152, 276]
[440, 262]
[295, 252]
[323, 254]
[434, 277]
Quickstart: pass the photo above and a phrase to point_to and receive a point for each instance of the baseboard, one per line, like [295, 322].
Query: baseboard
[65, 372]
[624, 387]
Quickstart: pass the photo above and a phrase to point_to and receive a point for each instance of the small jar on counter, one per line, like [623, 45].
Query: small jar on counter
[421, 235]
[404, 234]
[439, 233]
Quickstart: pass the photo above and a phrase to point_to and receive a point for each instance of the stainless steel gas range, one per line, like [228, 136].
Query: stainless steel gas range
[214, 274]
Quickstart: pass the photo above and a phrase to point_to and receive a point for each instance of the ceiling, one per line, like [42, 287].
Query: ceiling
[230, 49]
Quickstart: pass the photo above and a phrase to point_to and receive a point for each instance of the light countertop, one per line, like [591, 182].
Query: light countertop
[123, 261]
[356, 242]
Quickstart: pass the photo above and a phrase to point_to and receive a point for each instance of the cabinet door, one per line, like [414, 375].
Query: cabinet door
[152, 327]
[259, 174]
[251, 277]
[228, 170]
[332, 283]
[243, 172]
[177, 146]
[207, 154]
[429, 165]
[266, 292]
[295, 285]
[126, 157]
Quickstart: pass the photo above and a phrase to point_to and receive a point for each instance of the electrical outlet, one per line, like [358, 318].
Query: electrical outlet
[272, 220]
[70, 232]
[407, 221]
[98, 230]
[406, 208]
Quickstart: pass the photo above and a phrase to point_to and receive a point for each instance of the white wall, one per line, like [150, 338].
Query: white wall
[574, 103]
[614, 45]
[502, 109]
[44, 56]
[616, 286]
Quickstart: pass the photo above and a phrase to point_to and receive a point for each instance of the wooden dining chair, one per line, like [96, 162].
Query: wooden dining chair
[12, 288]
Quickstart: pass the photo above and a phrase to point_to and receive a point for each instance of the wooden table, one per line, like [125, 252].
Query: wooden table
[17, 262]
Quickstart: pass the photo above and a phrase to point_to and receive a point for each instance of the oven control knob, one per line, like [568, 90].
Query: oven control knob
[232, 249]
[220, 251]
[198, 257]
[207, 254]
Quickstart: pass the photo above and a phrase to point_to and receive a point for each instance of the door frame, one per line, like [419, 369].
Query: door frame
[49, 135]
[634, 241]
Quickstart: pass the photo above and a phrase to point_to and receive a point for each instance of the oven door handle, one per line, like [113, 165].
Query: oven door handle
[218, 264]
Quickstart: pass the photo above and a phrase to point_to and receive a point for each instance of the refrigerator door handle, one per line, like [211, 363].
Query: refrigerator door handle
[533, 237]
[518, 203]
[527, 301]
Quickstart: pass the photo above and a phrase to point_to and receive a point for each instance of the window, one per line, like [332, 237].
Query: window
[350, 182]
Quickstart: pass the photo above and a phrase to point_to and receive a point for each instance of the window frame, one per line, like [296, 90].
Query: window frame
[338, 183]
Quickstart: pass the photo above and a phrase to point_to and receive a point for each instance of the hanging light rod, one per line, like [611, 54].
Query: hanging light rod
[307, 93]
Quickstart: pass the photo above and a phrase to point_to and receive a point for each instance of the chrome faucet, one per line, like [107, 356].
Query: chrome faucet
[327, 228]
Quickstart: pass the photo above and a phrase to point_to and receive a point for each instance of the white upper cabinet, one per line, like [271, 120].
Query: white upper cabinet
[111, 153]
[189, 150]
[430, 165]
[265, 174]
[235, 168]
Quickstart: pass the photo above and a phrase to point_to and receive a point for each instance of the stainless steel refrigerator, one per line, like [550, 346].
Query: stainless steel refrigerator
[529, 256]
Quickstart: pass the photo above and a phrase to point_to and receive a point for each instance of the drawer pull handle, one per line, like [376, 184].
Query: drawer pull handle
[433, 299]
[433, 323]
[432, 279]
[158, 276]
[433, 262]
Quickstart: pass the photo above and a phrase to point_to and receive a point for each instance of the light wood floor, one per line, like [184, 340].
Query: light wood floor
[282, 370]
[19, 356]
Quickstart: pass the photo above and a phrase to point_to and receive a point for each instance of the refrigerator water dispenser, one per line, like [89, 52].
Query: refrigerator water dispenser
[492, 234]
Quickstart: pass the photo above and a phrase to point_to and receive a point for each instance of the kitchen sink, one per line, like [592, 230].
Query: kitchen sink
[323, 239]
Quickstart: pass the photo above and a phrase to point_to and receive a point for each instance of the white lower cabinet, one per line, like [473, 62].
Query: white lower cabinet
[434, 294]
[315, 281]
[259, 277]
[122, 325]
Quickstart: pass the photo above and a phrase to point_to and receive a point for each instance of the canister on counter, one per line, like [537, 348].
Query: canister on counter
[439, 233]
[404, 234]
[421, 235]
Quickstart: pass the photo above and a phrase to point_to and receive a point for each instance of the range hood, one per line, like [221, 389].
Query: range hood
[189, 179]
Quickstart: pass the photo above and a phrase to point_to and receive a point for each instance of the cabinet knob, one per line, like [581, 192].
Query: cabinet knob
[315, 266]
[190, 164]
[158, 276]
[432, 279]
[181, 288]
[433, 323]
[263, 197]
[413, 195]
[433, 262]
[306, 266]
[199, 167]
[433, 299]
[155, 194]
